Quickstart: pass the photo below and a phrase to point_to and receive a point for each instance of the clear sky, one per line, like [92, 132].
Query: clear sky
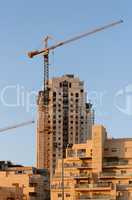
[103, 61]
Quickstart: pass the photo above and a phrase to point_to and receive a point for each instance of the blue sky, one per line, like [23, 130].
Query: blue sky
[103, 61]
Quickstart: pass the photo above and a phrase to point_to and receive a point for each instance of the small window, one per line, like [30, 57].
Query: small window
[59, 195]
[77, 95]
[106, 149]
[54, 94]
[114, 150]
[67, 195]
[69, 85]
[123, 171]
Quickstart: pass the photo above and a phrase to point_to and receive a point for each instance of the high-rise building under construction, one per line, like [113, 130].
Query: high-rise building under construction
[70, 120]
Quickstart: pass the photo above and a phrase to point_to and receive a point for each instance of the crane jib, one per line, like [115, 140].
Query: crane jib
[45, 50]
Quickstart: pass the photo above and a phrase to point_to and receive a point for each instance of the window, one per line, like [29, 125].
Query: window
[32, 194]
[54, 94]
[123, 171]
[77, 95]
[106, 149]
[54, 99]
[59, 195]
[67, 195]
[69, 85]
[114, 149]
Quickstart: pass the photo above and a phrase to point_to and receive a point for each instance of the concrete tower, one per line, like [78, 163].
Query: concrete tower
[70, 120]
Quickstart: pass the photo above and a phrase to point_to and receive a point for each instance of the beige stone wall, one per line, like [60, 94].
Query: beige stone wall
[103, 171]
[11, 192]
[18, 182]
[78, 123]
[98, 140]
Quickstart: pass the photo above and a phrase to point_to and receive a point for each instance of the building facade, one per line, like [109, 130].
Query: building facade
[100, 169]
[23, 183]
[70, 119]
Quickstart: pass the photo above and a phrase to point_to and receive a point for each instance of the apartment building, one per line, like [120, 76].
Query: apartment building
[70, 120]
[23, 183]
[99, 169]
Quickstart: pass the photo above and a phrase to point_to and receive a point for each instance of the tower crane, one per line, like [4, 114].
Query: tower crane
[17, 126]
[45, 52]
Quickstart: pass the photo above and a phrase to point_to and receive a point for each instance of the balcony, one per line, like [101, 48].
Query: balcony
[85, 165]
[122, 187]
[93, 187]
[114, 175]
[57, 186]
[82, 155]
[96, 197]
[82, 176]
[115, 163]
[78, 165]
